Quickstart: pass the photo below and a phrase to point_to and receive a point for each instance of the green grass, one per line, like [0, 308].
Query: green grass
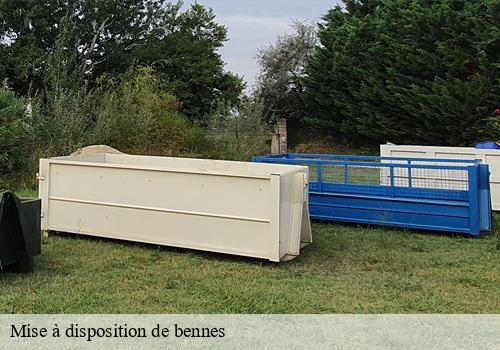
[348, 269]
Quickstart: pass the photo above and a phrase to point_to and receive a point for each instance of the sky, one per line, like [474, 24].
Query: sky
[254, 24]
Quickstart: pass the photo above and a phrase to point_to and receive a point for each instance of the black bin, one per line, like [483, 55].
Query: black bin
[20, 234]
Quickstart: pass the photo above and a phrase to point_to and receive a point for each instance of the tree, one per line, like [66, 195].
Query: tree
[279, 84]
[407, 71]
[361, 7]
[103, 32]
[186, 54]
[89, 38]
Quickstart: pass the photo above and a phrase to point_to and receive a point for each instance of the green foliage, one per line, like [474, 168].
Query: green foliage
[14, 136]
[416, 71]
[361, 7]
[187, 58]
[279, 85]
[75, 60]
[132, 112]
[492, 129]
[62, 122]
[88, 39]
[135, 113]
[239, 135]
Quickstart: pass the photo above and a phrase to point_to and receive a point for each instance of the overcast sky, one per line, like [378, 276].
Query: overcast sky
[253, 24]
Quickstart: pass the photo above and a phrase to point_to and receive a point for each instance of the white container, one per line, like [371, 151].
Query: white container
[487, 156]
[250, 209]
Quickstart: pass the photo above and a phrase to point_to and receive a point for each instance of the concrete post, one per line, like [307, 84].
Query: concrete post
[279, 143]
[282, 130]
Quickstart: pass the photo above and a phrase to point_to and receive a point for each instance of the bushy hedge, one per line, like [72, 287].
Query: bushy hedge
[132, 113]
[135, 113]
[423, 72]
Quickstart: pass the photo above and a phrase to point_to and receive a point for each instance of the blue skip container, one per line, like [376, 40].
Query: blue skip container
[450, 195]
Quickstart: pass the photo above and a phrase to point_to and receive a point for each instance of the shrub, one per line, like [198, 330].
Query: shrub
[14, 136]
[62, 121]
[135, 114]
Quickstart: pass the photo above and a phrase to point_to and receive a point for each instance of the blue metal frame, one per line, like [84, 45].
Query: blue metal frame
[347, 157]
[463, 211]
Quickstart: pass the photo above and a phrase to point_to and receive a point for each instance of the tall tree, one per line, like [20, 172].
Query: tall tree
[94, 37]
[361, 7]
[279, 83]
[407, 71]
[185, 51]
[102, 33]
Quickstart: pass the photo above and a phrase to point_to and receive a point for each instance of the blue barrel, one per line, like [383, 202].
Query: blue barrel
[487, 145]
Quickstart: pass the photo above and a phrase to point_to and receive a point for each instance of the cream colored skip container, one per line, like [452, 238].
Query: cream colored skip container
[249, 209]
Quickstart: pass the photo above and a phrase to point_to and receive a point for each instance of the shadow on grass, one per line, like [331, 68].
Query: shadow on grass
[211, 256]
[398, 230]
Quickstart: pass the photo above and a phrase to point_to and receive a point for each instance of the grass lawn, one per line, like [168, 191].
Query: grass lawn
[348, 269]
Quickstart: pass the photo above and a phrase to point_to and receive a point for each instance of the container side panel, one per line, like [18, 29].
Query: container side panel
[297, 207]
[407, 154]
[485, 198]
[438, 216]
[286, 202]
[200, 193]
[295, 223]
[495, 194]
[200, 211]
[181, 230]
[494, 162]
[276, 214]
[43, 191]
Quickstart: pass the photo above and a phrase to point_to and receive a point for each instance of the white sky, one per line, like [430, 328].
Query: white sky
[253, 24]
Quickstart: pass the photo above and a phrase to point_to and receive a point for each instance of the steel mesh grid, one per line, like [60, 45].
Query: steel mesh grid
[439, 179]
[375, 179]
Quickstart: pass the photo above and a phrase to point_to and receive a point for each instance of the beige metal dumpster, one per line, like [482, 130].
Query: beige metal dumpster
[249, 209]
[487, 156]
